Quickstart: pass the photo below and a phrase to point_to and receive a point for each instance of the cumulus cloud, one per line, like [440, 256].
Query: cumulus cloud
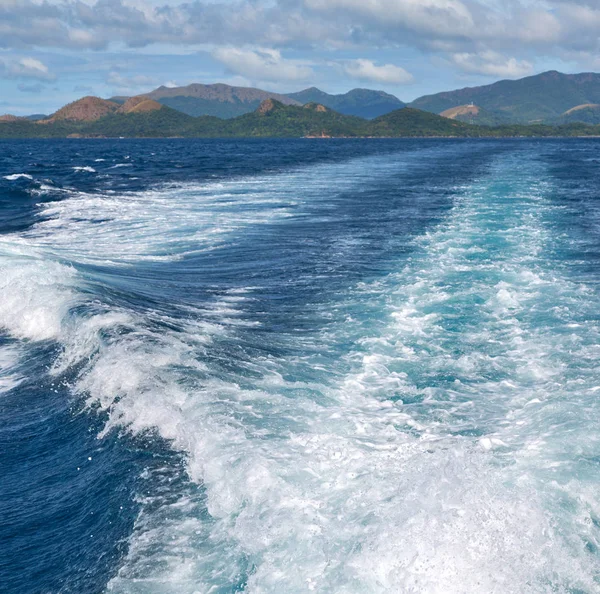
[284, 23]
[460, 31]
[262, 64]
[536, 27]
[25, 68]
[385, 74]
[130, 82]
[492, 64]
[31, 68]
[442, 17]
[95, 24]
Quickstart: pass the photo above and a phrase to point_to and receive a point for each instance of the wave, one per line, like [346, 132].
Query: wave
[16, 176]
[37, 294]
[10, 377]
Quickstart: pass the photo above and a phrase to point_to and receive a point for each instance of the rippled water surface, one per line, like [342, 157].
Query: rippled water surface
[300, 366]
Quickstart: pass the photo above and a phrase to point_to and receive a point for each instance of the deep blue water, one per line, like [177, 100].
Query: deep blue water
[300, 366]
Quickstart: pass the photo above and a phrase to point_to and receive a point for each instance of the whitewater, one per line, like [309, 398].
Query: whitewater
[371, 372]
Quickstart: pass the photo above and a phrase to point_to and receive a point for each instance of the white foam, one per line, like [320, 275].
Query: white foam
[171, 222]
[9, 377]
[16, 176]
[37, 294]
[416, 463]
[363, 493]
[85, 168]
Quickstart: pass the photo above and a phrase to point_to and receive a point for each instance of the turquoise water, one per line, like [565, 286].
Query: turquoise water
[365, 372]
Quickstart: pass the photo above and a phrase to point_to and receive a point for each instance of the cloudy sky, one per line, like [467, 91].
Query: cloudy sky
[54, 51]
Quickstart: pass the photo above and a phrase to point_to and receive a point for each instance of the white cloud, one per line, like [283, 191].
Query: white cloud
[539, 26]
[262, 64]
[460, 32]
[492, 64]
[130, 82]
[554, 24]
[385, 74]
[81, 37]
[442, 17]
[585, 16]
[25, 68]
[32, 68]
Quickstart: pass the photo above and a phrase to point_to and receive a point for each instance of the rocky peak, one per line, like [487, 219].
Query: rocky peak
[316, 107]
[267, 106]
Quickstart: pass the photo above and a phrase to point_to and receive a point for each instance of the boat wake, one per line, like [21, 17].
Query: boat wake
[438, 434]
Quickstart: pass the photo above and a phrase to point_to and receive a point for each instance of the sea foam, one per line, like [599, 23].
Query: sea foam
[16, 176]
[432, 456]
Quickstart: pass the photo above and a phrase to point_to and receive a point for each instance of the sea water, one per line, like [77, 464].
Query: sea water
[300, 366]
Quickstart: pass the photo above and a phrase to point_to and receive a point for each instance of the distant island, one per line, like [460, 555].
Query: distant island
[140, 117]
[545, 105]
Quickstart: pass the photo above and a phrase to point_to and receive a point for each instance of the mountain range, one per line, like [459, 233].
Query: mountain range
[550, 98]
[140, 117]
[224, 101]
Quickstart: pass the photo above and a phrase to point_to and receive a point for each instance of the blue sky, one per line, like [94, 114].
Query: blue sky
[55, 51]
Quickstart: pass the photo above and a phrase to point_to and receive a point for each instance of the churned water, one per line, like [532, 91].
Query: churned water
[300, 366]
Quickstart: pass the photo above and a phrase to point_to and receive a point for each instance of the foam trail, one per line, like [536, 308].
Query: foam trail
[395, 479]
[413, 463]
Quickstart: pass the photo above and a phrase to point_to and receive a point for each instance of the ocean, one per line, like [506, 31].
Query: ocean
[292, 366]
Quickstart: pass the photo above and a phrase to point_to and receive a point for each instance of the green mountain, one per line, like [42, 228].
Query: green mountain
[144, 118]
[163, 122]
[273, 119]
[409, 122]
[363, 103]
[588, 113]
[540, 98]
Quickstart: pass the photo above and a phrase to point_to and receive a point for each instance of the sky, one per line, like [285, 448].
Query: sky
[55, 51]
